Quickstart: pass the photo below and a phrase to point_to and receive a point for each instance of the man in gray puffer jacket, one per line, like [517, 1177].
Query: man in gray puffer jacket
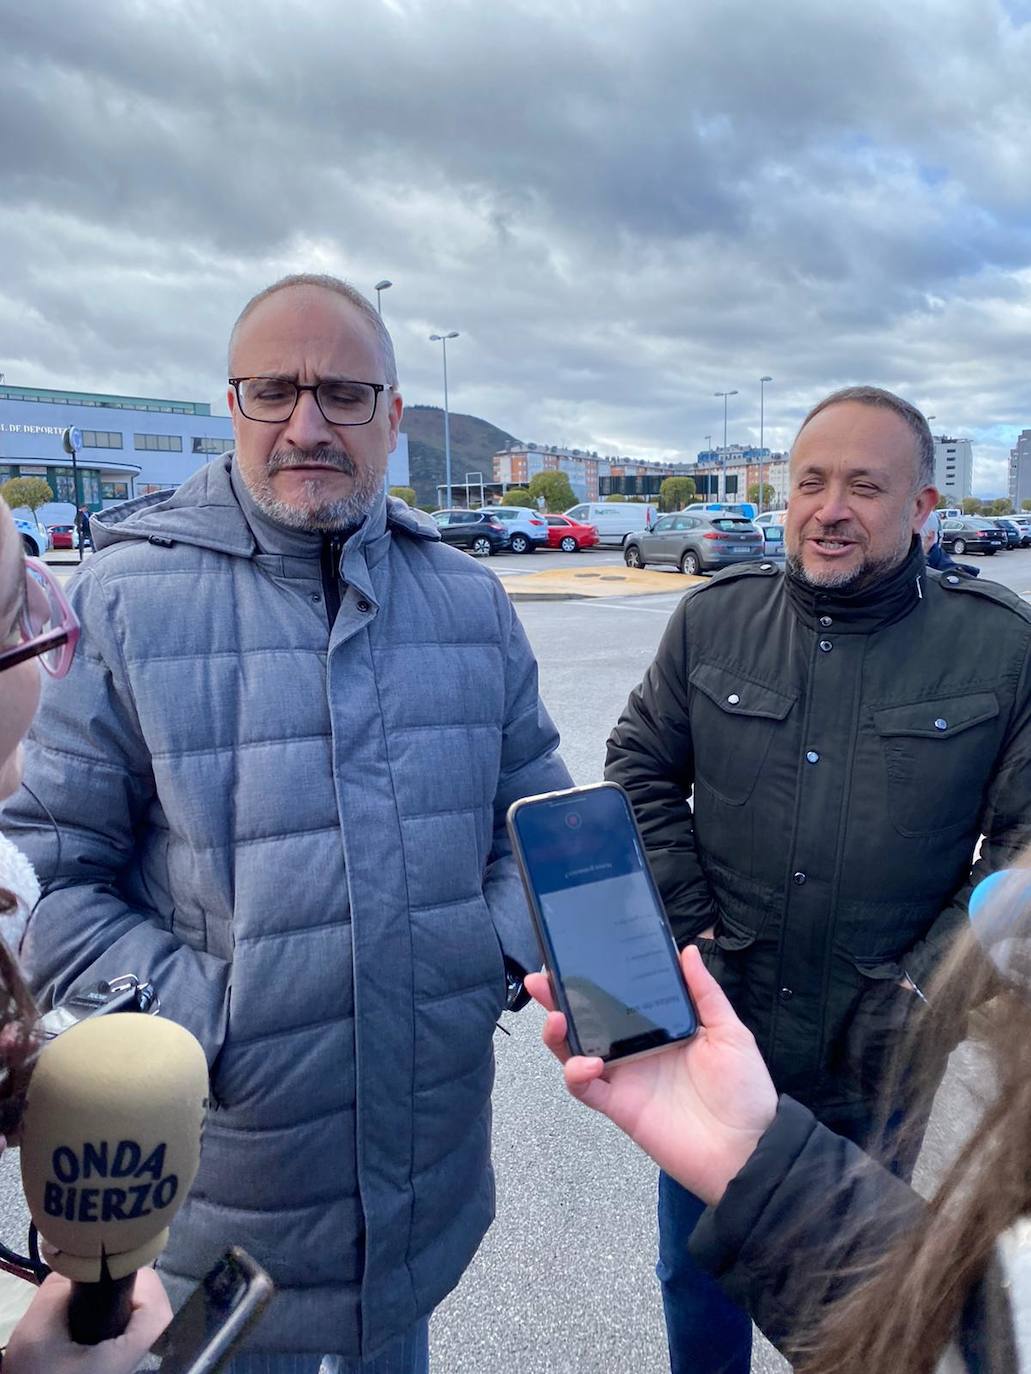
[281, 768]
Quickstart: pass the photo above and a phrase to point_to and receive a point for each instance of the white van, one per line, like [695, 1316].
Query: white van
[613, 520]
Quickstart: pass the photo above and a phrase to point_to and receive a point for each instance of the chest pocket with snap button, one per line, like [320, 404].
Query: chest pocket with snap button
[733, 724]
[937, 756]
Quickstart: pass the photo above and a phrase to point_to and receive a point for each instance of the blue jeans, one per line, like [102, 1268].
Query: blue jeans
[409, 1354]
[707, 1333]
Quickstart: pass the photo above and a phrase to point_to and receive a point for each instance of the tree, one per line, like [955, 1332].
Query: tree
[616, 496]
[675, 492]
[31, 492]
[554, 487]
[1000, 506]
[943, 502]
[971, 505]
[517, 496]
[405, 494]
[1025, 505]
[768, 497]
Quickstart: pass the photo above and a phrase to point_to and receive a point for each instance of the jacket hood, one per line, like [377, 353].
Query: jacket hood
[204, 512]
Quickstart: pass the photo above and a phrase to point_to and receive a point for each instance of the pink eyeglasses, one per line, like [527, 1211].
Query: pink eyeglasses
[48, 626]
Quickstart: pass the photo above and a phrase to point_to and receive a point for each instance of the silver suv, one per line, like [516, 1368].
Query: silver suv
[527, 529]
[696, 543]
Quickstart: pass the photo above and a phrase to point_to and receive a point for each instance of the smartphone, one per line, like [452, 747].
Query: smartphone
[605, 938]
[209, 1327]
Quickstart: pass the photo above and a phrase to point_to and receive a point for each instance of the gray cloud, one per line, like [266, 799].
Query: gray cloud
[623, 206]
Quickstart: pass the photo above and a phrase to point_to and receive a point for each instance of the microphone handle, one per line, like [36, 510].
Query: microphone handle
[100, 1311]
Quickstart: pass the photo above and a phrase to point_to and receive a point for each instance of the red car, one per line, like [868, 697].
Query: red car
[63, 537]
[569, 535]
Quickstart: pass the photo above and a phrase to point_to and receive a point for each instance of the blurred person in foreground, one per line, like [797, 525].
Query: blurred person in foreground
[812, 764]
[298, 727]
[840, 1263]
[36, 629]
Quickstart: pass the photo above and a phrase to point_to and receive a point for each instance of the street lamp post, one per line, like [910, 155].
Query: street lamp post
[442, 340]
[381, 286]
[762, 434]
[723, 462]
[71, 440]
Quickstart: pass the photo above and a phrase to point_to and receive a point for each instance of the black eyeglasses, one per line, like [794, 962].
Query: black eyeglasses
[272, 400]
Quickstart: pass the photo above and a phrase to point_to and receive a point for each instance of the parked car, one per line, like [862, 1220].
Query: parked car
[63, 537]
[1010, 529]
[33, 536]
[771, 524]
[614, 520]
[972, 534]
[527, 528]
[696, 542]
[744, 508]
[570, 535]
[1023, 524]
[475, 530]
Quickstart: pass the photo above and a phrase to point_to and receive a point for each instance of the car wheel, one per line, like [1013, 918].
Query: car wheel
[990, 553]
[632, 556]
[689, 564]
[520, 543]
[568, 544]
[482, 547]
[959, 546]
[29, 546]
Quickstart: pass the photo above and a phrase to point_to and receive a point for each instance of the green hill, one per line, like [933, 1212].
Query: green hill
[473, 444]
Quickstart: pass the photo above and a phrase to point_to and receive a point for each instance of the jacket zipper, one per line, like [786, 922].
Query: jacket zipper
[330, 566]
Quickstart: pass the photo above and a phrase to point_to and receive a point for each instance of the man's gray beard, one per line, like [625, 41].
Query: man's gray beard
[867, 573]
[346, 513]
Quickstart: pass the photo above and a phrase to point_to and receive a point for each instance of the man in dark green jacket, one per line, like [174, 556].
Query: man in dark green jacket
[848, 728]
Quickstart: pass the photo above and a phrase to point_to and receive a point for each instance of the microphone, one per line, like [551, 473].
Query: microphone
[110, 1145]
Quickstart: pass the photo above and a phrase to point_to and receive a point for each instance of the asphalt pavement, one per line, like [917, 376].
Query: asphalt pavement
[564, 1282]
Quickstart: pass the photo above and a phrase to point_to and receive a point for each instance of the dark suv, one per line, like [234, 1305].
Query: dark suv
[971, 534]
[475, 530]
[695, 543]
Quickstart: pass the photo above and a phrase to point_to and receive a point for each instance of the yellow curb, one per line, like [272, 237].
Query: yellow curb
[568, 584]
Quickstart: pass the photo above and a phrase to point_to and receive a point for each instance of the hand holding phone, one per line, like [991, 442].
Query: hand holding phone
[603, 932]
[698, 1111]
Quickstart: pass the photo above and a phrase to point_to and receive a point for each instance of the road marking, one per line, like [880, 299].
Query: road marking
[627, 606]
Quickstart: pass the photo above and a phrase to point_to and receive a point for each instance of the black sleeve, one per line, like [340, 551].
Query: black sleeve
[650, 754]
[808, 1203]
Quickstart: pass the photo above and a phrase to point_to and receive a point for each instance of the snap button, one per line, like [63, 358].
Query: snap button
[826, 621]
[953, 579]
[941, 724]
[766, 567]
[733, 699]
[798, 879]
[316, 596]
[786, 994]
[825, 646]
[364, 606]
[812, 756]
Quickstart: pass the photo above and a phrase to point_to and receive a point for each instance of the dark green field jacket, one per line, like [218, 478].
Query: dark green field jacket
[845, 753]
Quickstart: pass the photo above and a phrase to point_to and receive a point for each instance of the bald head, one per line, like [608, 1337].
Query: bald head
[304, 283]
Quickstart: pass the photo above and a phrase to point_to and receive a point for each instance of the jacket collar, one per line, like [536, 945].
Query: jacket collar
[869, 608]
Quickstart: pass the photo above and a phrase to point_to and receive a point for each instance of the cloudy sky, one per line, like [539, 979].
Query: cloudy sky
[622, 205]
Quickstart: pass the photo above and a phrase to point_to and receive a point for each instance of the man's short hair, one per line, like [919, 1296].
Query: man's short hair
[341, 288]
[877, 396]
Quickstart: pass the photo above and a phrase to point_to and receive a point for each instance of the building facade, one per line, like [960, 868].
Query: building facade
[953, 468]
[1020, 470]
[132, 445]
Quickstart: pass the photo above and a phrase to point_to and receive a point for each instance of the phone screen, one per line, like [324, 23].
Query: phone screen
[607, 943]
[215, 1317]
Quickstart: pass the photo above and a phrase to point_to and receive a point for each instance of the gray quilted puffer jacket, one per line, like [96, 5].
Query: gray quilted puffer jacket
[306, 853]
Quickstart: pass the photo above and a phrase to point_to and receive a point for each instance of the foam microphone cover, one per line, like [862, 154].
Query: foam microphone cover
[111, 1141]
